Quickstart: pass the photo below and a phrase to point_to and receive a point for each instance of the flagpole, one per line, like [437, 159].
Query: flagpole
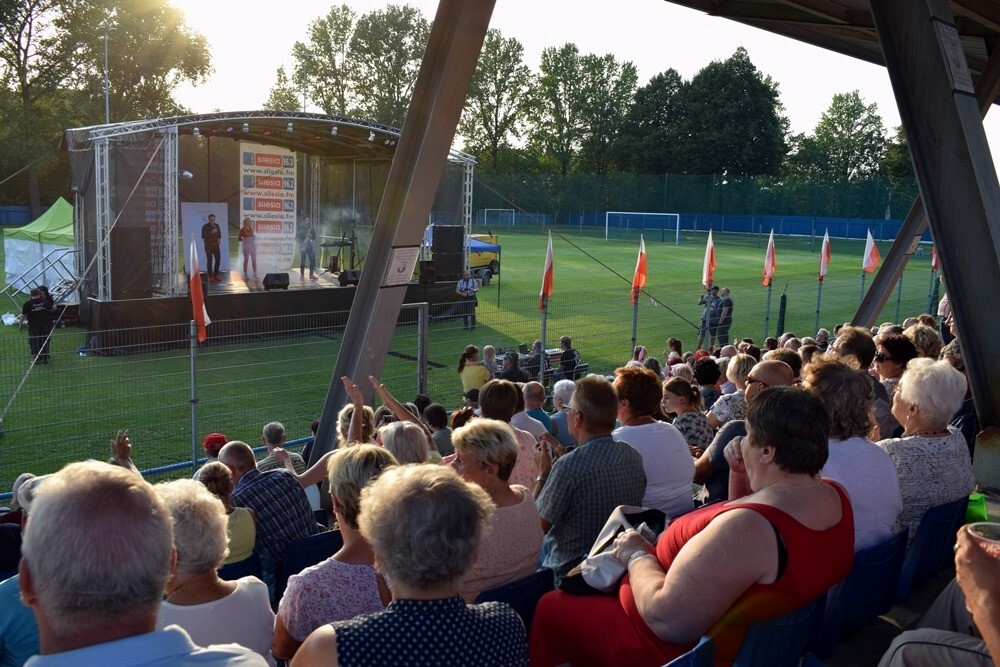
[635, 322]
[545, 319]
[194, 395]
[862, 285]
[930, 294]
[819, 297]
[899, 296]
[767, 315]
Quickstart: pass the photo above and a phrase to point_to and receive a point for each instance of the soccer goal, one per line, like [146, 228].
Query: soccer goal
[498, 217]
[627, 222]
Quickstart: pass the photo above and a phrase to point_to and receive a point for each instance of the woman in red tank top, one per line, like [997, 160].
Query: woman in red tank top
[724, 567]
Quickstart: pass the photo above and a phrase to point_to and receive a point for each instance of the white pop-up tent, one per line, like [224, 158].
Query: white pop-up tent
[41, 252]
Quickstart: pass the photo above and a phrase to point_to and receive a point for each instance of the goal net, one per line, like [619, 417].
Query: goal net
[498, 217]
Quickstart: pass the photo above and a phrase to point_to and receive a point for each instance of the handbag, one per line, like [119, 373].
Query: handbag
[600, 571]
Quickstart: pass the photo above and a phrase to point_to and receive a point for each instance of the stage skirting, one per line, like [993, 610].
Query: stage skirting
[137, 326]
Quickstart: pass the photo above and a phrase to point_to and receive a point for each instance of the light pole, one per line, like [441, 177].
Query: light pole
[306, 58]
[107, 105]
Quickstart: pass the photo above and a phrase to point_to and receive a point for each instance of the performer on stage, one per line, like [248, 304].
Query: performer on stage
[249, 241]
[211, 235]
[306, 236]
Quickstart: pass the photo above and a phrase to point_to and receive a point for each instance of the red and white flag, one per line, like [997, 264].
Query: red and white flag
[708, 270]
[770, 262]
[872, 258]
[935, 260]
[548, 275]
[639, 278]
[824, 256]
[198, 311]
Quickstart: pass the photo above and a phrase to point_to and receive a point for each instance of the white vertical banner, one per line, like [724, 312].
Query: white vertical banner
[267, 197]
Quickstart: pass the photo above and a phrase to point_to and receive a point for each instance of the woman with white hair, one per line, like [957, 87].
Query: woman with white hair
[408, 442]
[562, 392]
[733, 406]
[345, 584]
[424, 524]
[931, 458]
[211, 610]
[485, 454]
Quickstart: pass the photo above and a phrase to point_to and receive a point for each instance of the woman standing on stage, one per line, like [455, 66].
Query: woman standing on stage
[249, 241]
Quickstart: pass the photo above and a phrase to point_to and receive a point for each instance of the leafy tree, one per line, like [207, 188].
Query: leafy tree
[283, 95]
[325, 62]
[898, 168]
[729, 120]
[606, 91]
[558, 130]
[645, 142]
[500, 100]
[851, 137]
[387, 49]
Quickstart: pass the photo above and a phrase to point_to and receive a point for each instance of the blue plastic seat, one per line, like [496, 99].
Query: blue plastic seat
[523, 595]
[248, 567]
[869, 590]
[305, 552]
[931, 549]
[779, 642]
[702, 655]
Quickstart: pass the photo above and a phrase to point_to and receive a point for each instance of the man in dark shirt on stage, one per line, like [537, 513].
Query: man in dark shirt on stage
[36, 313]
[211, 236]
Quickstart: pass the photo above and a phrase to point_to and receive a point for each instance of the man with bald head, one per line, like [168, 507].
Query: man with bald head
[711, 469]
[276, 497]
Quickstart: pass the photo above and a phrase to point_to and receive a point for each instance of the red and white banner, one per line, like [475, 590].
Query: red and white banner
[708, 269]
[871, 258]
[935, 259]
[639, 278]
[824, 256]
[267, 197]
[198, 311]
[548, 277]
[770, 261]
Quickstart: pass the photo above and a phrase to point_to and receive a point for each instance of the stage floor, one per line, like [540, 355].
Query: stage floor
[233, 282]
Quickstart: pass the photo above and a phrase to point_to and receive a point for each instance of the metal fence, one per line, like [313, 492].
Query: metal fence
[253, 371]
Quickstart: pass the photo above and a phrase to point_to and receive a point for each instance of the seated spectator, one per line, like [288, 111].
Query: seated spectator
[421, 401]
[822, 339]
[576, 494]
[932, 459]
[346, 584]
[18, 628]
[407, 442]
[674, 352]
[424, 524]
[537, 363]
[857, 342]
[666, 459]
[653, 364]
[209, 609]
[490, 360]
[926, 340]
[711, 468]
[569, 359]
[707, 374]
[471, 399]
[639, 354]
[962, 627]
[522, 420]
[733, 406]
[864, 470]
[485, 452]
[511, 370]
[892, 353]
[562, 394]
[472, 371]
[437, 421]
[534, 399]
[809, 352]
[212, 444]
[14, 513]
[97, 603]
[462, 416]
[684, 401]
[793, 537]
[273, 437]
[241, 524]
[344, 417]
[683, 371]
[790, 357]
[499, 401]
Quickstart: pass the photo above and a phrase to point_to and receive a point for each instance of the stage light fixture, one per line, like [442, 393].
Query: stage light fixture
[371, 137]
[333, 131]
[229, 128]
[185, 175]
[196, 132]
[246, 127]
[267, 133]
[289, 128]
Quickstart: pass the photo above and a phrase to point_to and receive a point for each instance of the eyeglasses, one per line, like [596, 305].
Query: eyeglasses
[881, 357]
[752, 380]
[570, 408]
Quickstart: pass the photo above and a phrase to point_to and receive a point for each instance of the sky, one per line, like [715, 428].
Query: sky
[653, 34]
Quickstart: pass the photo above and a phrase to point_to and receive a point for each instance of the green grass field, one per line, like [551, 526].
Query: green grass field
[68, 410]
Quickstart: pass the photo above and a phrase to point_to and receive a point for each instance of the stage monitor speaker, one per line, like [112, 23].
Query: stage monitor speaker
[349, 277]
[275, 281]
[449, 250]
[131, 263]
[428, 274]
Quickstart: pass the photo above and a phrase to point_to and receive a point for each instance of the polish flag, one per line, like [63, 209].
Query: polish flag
[708, 270]
[935, 260]
[548, 275]
[200, 314]
[639, 279]
[770, 262]
[872, 258]
[824, 256]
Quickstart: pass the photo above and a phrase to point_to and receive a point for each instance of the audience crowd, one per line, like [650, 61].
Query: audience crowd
[772, 464]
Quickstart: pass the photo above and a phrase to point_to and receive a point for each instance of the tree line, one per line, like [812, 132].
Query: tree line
[572, 114]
